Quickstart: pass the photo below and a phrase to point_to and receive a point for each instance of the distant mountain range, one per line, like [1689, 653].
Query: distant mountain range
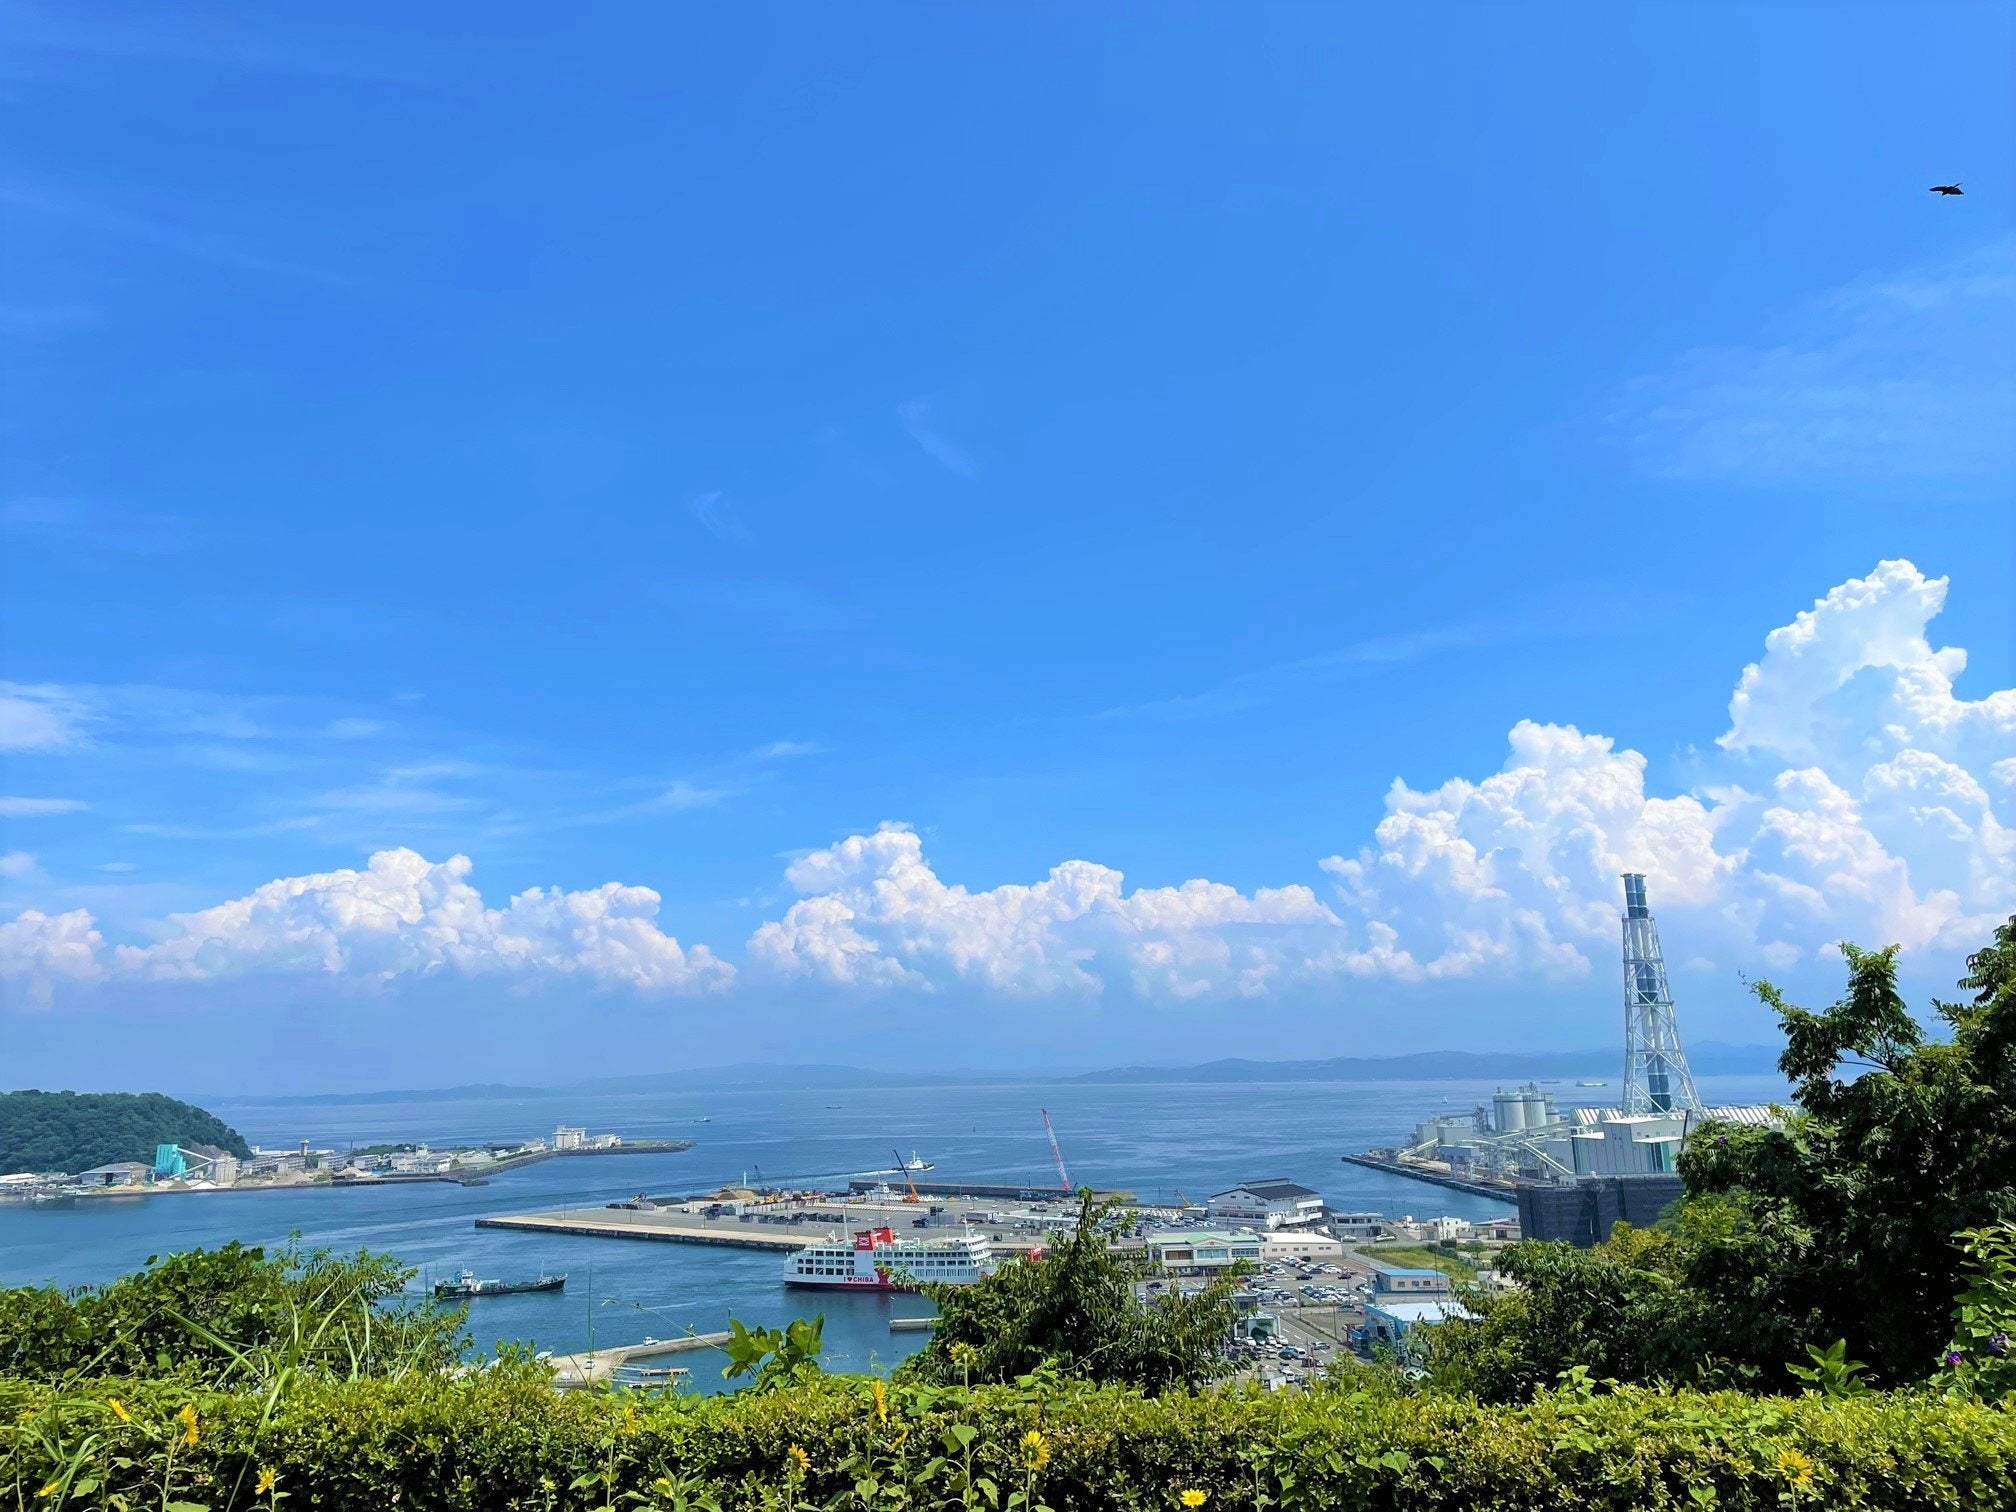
[1708, 1059]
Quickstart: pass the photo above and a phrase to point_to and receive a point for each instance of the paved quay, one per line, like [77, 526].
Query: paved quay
[592, 1367]
[789, 1223]
[672, 1228]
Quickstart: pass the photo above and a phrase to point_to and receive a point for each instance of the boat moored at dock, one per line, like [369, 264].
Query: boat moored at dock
[876, 1260]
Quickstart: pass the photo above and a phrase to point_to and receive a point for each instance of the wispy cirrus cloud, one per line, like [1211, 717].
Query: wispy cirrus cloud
[718, 515]
[1904, 378]
[39, 808]
[1576, 610]
[789, 611]
[30, 320]
[915, 415]
[1362, 658]
[90, 526]
[41, 717]
[222, 236]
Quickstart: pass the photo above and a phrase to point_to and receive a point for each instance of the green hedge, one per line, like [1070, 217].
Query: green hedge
[503, 1440]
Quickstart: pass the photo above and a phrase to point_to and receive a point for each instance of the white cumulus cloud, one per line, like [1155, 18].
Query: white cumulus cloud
[401, 916]
[1856, 800]
[1854, 795]
[876, 915]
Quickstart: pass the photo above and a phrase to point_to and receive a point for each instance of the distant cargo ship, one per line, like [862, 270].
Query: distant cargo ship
[876, 1260]
[467, 1285]
[1592, 1084]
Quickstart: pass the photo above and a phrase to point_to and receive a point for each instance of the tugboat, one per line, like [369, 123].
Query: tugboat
[467, 1285]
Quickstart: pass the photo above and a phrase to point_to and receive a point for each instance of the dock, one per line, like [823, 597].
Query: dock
[782, 1225]
[669, 1228]
[1497, 1191]
[591, 1368]
[861, 1185]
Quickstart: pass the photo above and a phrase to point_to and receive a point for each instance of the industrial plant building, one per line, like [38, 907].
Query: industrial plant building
[1579, 1170]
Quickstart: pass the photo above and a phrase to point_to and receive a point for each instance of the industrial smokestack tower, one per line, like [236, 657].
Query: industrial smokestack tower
[1656, 1078]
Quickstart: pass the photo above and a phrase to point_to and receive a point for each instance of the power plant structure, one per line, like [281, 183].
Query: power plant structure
[1656, 1078]
[1522, 1136]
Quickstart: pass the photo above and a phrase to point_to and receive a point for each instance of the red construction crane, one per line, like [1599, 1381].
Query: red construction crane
[905, 1171]
[1057, 1152]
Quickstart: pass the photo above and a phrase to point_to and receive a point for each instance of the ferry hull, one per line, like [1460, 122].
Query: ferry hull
[844, 1283]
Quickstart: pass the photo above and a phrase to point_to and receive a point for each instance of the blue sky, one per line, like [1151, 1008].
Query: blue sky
[639, 449]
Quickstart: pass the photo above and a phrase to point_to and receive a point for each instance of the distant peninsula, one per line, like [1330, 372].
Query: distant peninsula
[73, 1131]
[1710, 1058]
[1707, 1059]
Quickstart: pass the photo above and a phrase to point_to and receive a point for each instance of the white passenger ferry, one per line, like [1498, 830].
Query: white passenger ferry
[876, 1260]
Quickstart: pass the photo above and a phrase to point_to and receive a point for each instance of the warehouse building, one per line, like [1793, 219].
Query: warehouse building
[1272, 1202]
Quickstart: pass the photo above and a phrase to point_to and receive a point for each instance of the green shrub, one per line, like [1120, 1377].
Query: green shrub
[232, 1314]
[501, 1439]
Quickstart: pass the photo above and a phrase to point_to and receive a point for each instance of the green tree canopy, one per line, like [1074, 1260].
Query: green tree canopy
[1845, 1224]
[1074, 1309]
[73, 1131]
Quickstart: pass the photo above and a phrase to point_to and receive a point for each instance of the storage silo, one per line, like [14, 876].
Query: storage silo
[1536, 1108]
[1508, 1111]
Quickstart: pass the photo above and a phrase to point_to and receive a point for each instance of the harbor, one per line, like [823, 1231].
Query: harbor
[1173, 1148]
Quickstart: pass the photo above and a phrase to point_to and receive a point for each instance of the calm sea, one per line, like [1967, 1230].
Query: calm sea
[1153, 1140]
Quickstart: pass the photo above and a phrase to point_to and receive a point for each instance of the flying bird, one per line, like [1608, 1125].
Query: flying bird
[1947, 189]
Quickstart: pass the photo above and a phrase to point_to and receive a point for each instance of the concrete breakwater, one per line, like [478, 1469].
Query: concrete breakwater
[670, 1228]
[591, 1367]
[791, 1224]
[1497, 1191]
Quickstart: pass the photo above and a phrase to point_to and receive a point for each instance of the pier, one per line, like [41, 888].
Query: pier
[670, 1228]
[1497, 1191]
[591, 1368]
[785, 1224]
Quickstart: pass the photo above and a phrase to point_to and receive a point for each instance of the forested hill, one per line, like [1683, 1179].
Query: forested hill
[73, 1131]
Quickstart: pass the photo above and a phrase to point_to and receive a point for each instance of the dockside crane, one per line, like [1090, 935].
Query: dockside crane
[911, 1194]
[1057, 1152]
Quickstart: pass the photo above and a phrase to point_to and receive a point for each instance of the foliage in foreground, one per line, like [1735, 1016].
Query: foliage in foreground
[230, 1316]
[501, 1440]
[73, 1131]
[1849, 1224]
[1074, 1310]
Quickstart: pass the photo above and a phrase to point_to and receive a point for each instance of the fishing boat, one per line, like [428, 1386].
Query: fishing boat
[469, 1285]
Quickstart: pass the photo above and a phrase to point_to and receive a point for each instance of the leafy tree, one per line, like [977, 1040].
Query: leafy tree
[1846, 1223]
[1075, 1310]
[1980, 1359]
[73, 1131]
[774, 1356]
[231, 1315]
[1619, 1311]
